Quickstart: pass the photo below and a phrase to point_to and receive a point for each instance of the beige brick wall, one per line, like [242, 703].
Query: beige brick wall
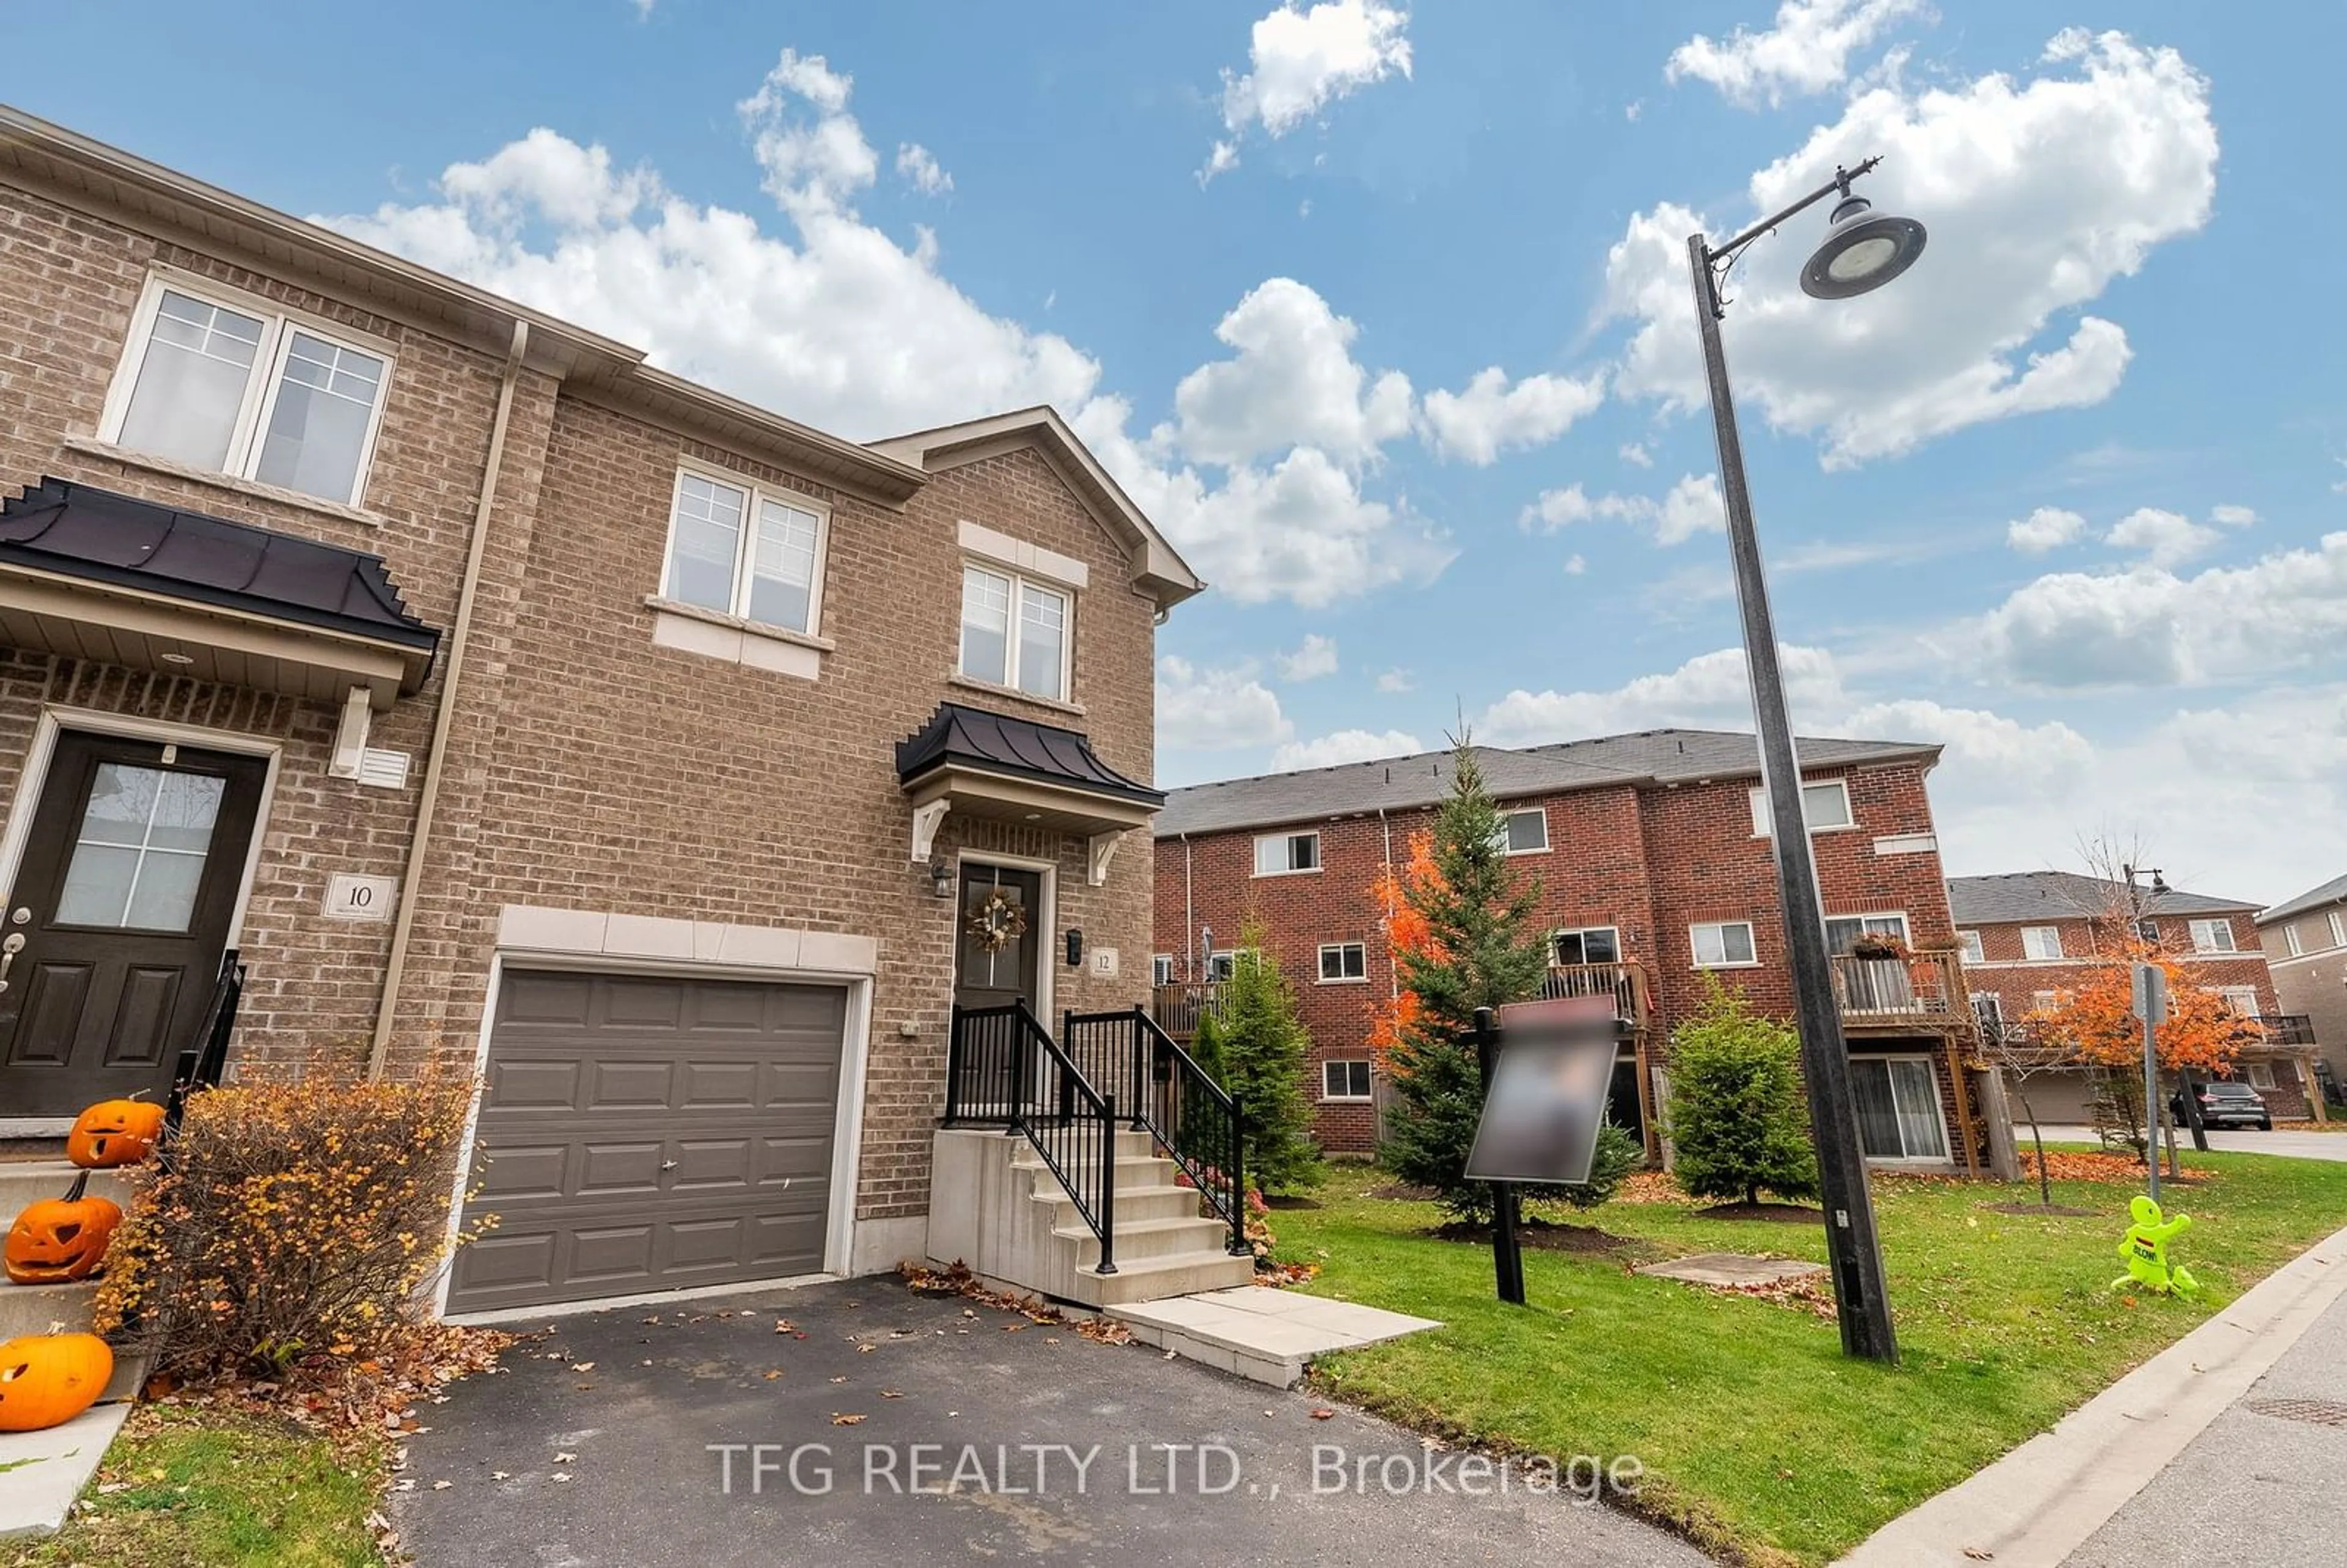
[587, 768]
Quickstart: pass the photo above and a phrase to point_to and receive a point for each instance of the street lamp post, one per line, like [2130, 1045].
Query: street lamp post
[1862, 250]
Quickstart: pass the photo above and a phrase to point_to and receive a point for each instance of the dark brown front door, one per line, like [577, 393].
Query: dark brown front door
[119, 918]
[997, 970]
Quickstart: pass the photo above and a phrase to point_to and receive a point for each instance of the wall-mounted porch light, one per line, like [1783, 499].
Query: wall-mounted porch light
[940, 877]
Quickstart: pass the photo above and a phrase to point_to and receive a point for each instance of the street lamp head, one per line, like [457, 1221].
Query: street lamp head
[1863, 250]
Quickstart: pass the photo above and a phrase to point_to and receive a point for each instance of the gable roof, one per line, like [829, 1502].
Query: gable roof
[2331, 892]
[1158, 569]
[2063, 896]
[1401, 783]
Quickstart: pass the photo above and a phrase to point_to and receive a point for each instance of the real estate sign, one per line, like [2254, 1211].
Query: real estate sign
[1547, 1094]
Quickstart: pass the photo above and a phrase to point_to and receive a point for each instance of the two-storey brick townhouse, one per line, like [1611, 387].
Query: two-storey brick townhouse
[2029, 936]
[464, 685]
[1655, 876]
[2305, 939]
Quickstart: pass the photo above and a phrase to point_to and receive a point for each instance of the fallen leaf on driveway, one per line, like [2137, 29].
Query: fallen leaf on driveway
[1323, 1413]
[500, 1475]
[564, 1459]
[561, 1475]
[772, 1373]
[1978, 1553]
[442, 1485]
[784, 1326]
[582, 1366]
[837, 1420]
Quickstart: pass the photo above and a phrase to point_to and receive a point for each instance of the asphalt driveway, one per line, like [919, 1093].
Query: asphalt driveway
[888, 1427]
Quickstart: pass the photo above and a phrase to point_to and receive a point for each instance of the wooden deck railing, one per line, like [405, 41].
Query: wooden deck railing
[1176, 1007]
[1924, 989]
[1625, 983]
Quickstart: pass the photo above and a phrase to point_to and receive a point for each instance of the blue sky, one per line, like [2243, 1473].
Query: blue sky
[1383, 315]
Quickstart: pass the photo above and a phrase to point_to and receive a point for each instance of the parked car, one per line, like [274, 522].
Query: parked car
[2226, 1103]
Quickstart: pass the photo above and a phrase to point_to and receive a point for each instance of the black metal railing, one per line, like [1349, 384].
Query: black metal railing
[1002, 1067]
[2289, 1029]
[204, 1059]
[1193, 1117]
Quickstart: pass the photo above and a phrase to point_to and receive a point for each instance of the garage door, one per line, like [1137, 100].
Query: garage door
[641, 1133]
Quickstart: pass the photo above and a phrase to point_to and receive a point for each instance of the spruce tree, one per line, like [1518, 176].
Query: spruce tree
[1737, 1119]
[1263, 1047]
[1483, 950]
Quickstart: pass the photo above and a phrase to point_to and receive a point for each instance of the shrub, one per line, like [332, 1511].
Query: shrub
[1263, 1047]
[1618, 1154]
[296, 1218]
[1736, 1116]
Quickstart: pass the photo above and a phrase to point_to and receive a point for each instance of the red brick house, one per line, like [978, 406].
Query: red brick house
[2029, 936]
[1653, 865]
[392, 672]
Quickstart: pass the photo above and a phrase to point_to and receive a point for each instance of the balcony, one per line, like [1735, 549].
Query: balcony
[2295, 1028]
[1901, 995]
[1176, 1007]
[1625, 983]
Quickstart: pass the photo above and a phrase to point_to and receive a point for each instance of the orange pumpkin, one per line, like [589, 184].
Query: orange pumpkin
[48, 1379]
[59, 1240]
[114, 1132]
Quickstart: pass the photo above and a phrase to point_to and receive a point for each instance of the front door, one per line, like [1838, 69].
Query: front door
[998, 938]
[120, 913]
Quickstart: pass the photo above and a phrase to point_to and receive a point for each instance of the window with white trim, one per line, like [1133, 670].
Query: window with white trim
[2041, 941]
[1586, 944]
[1843, 932]
[2338, 929]
[225, 383]
[2290, 940]
[2212, 935]
[1161, 969]
[1345, 1080]
[1988, 1008]
[1824, 806]
[1014, 632]
[1722, 944]
[1342, 961]
[2261, 1074]
[1222, 966]
[1523, 831]
[1897, 1100]
[1286, 853]
[2241, 1001]
[1974, 953]
[741, 550]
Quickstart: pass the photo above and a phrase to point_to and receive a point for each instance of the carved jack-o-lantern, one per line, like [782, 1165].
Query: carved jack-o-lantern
[114, 1132]
[48, 1379]
[58, 1240]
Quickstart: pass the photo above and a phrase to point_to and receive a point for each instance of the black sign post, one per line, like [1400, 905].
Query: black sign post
[1506, 1254]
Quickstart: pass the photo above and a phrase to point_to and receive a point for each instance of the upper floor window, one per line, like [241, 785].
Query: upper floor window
[1845, 933]
[1014, 632]
[2241, 1001]
[1722, 944]
[2338, 929]
[1589, 945]
[1826, 805]
[2290, 940]
[1224, 964]
[1279, 854]
[1973, 952]
[2041, 941]
[739, 550]
[2212, 935]
[227, 384]
[1523, 831]
[1343, 961]
[1161, 969]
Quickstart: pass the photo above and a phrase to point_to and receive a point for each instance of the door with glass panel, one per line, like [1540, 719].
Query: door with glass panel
[115, 928]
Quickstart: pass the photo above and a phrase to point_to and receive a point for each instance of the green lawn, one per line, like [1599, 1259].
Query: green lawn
[198, 1487]
[1756, 1432]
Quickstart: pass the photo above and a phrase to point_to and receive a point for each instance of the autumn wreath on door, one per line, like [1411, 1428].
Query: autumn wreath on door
[998, 921]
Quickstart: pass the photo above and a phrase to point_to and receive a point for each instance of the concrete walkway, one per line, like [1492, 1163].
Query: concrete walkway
[2078, 1493]
[2298, 1145]
[1268, 1336]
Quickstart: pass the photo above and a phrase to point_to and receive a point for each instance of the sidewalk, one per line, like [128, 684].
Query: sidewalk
[2170, 1464]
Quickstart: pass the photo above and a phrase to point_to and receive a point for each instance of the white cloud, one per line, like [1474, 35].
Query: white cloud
[2232, 517]
[2023, 755]
[919, 165]
[1397, 680]
[1708, 692]
[2047, 528]
[2167, 538]
[1342, 746]
[1575, 565]
[1313, 656]
[1293, 382]
[836, 322]
[1301, 60]
[2149, 627]
[1808, 51]
[1215, 710]
[1475, 424]
[1692, 506]
[2037, 194]
[1634, 453]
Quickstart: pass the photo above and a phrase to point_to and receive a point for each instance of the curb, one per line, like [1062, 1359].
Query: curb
[2041, 1502]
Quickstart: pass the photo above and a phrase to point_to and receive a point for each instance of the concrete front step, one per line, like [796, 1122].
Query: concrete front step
[1135, 1204]
[41, 1473]
[37, 1308]
[24, 1182]
[1154, 1278]
[1139, 1239]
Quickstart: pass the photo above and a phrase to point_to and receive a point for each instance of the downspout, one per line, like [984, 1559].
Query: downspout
[1393, 973]
[1189, 912]
[435, 761]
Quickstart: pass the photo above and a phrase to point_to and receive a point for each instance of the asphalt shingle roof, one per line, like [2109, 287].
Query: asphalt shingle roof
[2062, 896]
[1401, 783]
[2331, 892]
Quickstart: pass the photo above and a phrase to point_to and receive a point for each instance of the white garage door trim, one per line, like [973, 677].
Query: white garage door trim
[848, 1127]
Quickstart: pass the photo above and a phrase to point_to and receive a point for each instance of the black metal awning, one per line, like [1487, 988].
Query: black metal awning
[982, 741]
[74, 531]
